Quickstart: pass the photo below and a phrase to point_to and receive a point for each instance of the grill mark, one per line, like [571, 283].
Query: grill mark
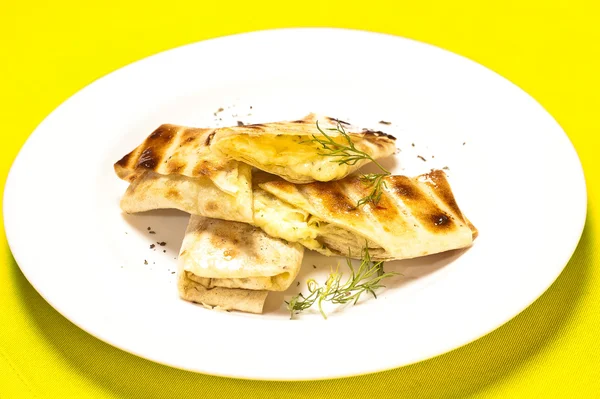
[436, 180]
[377, 216]
[442, 189]
[330, 196]
[377, 133]
[189, 135]
[124, 162]
[155, 146]
[375, 142]
[209, 139]
[421, 206]
[341, 122]
[148, 159]
[384, 211]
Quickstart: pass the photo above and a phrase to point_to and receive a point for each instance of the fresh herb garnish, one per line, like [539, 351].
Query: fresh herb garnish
[367, 278]
[376, 180]
[347, 154]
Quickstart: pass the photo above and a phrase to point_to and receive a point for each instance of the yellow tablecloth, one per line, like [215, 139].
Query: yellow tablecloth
[51, 49]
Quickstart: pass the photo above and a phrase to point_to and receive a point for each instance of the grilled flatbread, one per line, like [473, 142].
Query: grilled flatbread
[221, 298]
[175, 168]
[284, 148]
[221, 253]
[414, 217]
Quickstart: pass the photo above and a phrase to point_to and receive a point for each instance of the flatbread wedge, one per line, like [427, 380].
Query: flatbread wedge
[219, 254]
[175, 168]
[285, 149]
[414, 217]
[191, 290]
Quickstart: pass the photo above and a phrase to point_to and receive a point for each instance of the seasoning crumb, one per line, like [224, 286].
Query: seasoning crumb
[149, 228]
[433, 156]
[240, 123]
[385, 122]
[145, 262]
[162, 243]
[413, 144]
[152, 232]
[314, 266]
[421, 158]
[298, 284]
[464, 142]
[219, 110]
[172, 272]
[251, 107]
[164, 251]
[126, 233]
[152, 246]
[446, 168]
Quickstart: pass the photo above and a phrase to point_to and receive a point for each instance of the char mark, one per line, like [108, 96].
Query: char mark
[341, 122]
[331, 196]
[421, 205]
[377, 133]
[209, 139]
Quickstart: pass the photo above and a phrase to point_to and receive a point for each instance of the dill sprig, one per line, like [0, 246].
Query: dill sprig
[346, 153]
[367, 278]
[376, 180]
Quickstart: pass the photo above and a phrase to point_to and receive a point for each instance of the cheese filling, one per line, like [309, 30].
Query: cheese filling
[279, 219]
[286, 155]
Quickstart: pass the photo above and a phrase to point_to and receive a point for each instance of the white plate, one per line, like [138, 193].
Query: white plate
[514, 172]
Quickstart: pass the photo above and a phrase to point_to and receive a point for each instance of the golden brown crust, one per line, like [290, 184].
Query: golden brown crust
[331, 197]
[420, 205]
[251, 144]
[438, 183]
[384, 211]
[173, 149]
[414, 216]
[339, 199]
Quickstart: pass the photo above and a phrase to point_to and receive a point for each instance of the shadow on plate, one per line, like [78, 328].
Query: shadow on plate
[459, 373]
[162, 225]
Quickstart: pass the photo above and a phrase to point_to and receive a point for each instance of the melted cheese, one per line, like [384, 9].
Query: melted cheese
[279, 219]
[285, 155]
